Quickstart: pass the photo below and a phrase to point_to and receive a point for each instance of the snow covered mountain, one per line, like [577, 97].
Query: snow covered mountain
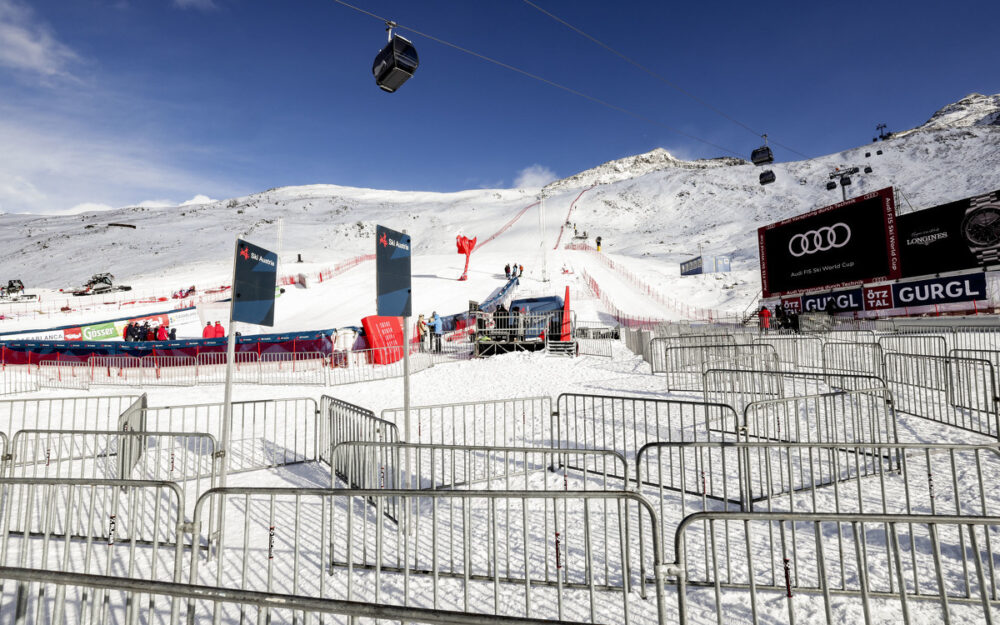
[974, 109]
[652, 210]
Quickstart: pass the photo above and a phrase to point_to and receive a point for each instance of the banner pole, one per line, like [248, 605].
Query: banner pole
[227, 402]
[406, 379]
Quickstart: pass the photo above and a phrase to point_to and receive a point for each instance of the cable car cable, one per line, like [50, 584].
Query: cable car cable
[657, 76]
[546, 81]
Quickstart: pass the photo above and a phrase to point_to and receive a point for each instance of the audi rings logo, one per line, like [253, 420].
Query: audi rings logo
[820, 240]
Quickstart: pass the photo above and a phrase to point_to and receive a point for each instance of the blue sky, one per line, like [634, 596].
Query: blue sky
[119, 102]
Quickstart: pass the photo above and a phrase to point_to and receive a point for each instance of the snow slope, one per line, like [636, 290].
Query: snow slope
[652, 210]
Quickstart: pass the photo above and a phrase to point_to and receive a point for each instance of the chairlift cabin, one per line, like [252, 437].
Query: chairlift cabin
[868, 170]
[767, 177]
[395, 64]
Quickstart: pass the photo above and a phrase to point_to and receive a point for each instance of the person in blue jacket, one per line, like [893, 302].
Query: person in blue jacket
[438, 327]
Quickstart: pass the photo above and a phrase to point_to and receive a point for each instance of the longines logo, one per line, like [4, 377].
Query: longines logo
[927, 239]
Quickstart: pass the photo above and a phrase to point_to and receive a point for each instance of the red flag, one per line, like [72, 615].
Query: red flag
[567, 328]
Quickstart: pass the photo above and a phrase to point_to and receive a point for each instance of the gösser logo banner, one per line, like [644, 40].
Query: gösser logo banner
[839, 245]
[392, 272]
[254, 278]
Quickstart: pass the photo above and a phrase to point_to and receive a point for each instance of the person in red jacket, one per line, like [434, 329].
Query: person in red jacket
[209, 331]
[765, 318]
[161, 333]
[220, 332]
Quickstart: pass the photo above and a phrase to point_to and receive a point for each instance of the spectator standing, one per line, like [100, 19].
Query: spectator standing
[209, 331]
[220, 332]
[438, 326]
[521, 272]
[161, 333]
[173, 334]
[148, 333]
[765, 318]
[421, 331]
[506, 270]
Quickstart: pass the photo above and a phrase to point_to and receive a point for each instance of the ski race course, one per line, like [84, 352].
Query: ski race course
[658, 461]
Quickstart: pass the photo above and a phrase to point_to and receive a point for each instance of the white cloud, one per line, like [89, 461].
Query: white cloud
[86, 207]
[534, 176]
[51, 165]
[201, 5]
[27, 44]
[156, 203]
[198, 199]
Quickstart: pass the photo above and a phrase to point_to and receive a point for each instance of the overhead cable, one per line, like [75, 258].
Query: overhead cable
[545, 80]
[657, 76]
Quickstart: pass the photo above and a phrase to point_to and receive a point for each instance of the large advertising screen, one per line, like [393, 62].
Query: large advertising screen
[844, 244]
[951, 237]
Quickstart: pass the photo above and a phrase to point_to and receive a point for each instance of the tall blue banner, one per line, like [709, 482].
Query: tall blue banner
[255, 276]
[392, 273]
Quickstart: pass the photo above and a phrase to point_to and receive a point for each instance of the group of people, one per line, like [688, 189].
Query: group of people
[780, 319]
[513, 271]
[431, 330]
[135, 331]
[508, 324]
[213, 332]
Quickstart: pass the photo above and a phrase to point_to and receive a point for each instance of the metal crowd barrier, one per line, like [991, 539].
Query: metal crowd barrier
[119, 600]
[212, 368]
[524, 422]
[740, 387]
[263, 433]
[293, 368]
[62, 374]
[585, 556]
[187, 459]
[17, 379]
[434, 467]
[684, 478]
[960, 392]
[921, 344]
[853, 358]
[684, 366]
[901, 568]
[84, 413]
[796, 352]
[123, 527]
[344, 422]
[625, 424]
[844, 417]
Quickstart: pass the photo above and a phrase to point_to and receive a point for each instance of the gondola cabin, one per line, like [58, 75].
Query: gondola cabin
[395, 64]
[830, 186]
[767, 177]
[762, 155]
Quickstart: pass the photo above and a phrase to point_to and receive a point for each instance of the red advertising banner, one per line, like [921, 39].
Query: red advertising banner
[840, 245]
[383, 334]
[792, 304]
[878, 297]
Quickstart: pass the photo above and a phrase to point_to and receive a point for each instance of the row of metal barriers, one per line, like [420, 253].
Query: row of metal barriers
[587, 508]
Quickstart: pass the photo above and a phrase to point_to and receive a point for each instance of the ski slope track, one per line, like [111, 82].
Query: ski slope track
[652, 210]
